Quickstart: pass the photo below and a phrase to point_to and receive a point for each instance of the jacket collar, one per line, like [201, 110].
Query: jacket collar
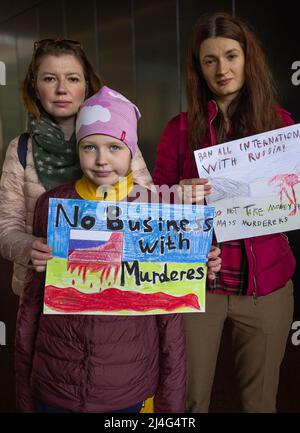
[212, 110]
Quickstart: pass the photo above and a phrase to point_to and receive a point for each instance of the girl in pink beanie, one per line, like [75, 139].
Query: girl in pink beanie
[86, 363]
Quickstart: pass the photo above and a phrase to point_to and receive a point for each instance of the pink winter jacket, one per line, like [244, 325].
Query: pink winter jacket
[270, 259]
[19, 191]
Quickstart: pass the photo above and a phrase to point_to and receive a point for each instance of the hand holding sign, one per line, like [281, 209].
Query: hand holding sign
[40, 253]
[194, 190]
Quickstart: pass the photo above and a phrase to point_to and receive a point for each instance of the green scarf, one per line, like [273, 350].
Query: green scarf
[55, 159]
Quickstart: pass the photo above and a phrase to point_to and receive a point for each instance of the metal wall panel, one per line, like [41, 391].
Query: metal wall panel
[26, 34]
[80, 25]
[50, 20]
[156, 70]
[9, 9]
[10, 114]
[115, 42]
[277, 28]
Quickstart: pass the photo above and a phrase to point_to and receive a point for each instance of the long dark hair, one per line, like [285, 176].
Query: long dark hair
[256, 101]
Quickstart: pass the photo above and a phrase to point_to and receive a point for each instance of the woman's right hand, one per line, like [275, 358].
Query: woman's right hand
[40, 253]
[194, 190]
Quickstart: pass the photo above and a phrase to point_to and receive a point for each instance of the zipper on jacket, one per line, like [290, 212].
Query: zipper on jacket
[285, 237]
[211, 121]
[254, 295]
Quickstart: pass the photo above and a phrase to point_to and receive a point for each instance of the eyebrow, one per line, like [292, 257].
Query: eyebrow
[118, 143]
[227, 52]
[53, 73]
[85, 141]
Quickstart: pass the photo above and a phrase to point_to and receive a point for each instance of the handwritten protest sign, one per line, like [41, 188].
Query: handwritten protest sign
[256, 183]
[126, 258]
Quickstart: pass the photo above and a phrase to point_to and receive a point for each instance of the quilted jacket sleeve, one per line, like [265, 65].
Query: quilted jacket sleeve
[285, 117]
[26, 330]
[171, 394]
[167, 166]
[141, 175]
[30, 309]
[15, 243]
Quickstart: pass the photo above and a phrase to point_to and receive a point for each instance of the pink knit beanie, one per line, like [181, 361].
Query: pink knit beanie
[109, 113]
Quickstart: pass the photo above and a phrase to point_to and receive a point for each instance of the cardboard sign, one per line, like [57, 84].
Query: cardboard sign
[256, 183]
[126, 258]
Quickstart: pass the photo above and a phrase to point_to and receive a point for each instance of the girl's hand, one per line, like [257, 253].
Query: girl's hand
[214, 262]
[40, 252]
[193, 191]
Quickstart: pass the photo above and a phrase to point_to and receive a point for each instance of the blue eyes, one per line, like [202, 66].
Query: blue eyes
[89, 147]
[112, 148]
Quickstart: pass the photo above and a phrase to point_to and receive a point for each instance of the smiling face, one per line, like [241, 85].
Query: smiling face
[222, 63]
[104, 159]
[60, 86]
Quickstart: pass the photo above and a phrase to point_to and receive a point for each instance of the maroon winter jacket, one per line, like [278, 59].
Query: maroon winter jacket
[270, 259]
[86, 363]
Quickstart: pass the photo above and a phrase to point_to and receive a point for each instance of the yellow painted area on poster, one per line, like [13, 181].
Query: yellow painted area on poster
[175, 279]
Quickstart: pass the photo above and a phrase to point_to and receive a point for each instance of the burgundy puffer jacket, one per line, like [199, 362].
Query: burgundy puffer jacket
[270, 259]
[86, 363]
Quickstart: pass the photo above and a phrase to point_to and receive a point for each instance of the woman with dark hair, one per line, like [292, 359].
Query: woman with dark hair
[230, 94]
[58, 80]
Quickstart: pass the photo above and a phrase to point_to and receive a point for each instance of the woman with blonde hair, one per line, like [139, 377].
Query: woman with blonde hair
[59, 79]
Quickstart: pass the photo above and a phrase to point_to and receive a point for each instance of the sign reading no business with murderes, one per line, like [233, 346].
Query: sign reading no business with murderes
[126, 258]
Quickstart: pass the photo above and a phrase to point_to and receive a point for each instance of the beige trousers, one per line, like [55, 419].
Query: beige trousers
[259, 334]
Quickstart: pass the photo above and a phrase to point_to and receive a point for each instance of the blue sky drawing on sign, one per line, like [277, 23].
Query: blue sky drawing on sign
[150, 232]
